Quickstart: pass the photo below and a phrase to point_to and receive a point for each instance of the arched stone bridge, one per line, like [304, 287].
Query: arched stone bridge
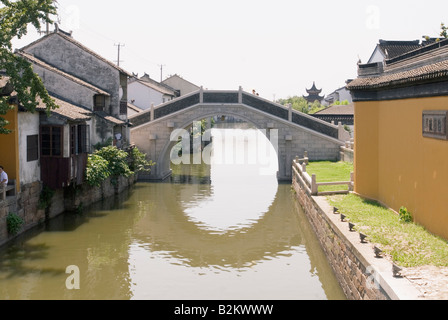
[297, 132]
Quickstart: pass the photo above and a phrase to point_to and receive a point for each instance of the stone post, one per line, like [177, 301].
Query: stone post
[352, 182]
[290, 112]
[152, 111]
[201, 95]
[314, 188]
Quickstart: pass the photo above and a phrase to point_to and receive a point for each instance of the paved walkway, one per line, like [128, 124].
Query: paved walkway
[431, 281]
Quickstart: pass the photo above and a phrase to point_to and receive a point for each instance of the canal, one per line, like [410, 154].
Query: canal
[225, 231]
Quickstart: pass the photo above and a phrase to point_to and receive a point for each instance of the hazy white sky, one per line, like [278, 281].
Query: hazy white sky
[276, 47]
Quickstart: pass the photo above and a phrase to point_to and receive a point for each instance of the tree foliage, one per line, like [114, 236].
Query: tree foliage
[341, 103]
[443, 30]
[112, 162]
[302, 105]
[15, 17]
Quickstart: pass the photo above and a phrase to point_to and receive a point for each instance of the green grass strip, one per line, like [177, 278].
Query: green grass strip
[407, 244]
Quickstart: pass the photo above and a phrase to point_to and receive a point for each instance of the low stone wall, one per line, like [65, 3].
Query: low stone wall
[25, 203]
[361, 274]
[85, 195]
[347, 152]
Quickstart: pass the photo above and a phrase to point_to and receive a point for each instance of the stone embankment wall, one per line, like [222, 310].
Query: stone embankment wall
[361, 274]
[25, 203]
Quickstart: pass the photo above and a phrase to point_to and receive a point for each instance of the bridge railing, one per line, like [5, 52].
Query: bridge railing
[310, 184]
[291, 115]
[237, 97]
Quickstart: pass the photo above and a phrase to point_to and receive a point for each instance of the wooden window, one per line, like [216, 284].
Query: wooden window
[51, 141]
[83, 139]
[99, 103]
[32, 148]
[73, 142]
[79, 139]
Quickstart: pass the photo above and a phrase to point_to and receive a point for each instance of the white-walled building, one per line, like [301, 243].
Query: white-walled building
[181, 85]
[144, 92]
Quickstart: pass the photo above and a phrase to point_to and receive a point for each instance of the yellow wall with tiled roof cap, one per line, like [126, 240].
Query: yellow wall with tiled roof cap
[396, 165]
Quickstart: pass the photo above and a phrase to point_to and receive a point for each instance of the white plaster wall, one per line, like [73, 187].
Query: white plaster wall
[344, 94]
[184, 86]
[143, 96]
[65, 88]
[376, 56]
[28, 125]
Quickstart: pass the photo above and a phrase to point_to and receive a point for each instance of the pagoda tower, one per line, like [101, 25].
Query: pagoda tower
[314, 94]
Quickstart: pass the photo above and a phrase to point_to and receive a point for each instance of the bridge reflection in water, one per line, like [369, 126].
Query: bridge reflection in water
[205, 234]
[227, 232]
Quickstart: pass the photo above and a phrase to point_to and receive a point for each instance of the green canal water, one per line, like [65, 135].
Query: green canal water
[223, 231]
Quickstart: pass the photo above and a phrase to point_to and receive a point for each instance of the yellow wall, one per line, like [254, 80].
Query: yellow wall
[396, 165]
[9, 147]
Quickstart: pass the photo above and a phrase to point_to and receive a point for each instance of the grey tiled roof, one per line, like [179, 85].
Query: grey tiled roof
[429, 72]
[109, 118]
[392, 49]
[429, 63]
[338, 110]
[67, 110]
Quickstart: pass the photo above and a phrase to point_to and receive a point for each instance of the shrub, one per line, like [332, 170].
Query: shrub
[117, 160]
[112, 162]
[13, 223]
[97, 170]
[405, 215]
[138, 162]
[45, 197]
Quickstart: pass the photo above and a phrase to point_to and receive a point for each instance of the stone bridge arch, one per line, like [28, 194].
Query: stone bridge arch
[297, 133]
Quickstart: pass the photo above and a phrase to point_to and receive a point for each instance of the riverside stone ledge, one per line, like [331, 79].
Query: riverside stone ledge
[361, 275]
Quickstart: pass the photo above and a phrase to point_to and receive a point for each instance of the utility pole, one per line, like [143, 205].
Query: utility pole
[119, 45]
[161, 71]
[47, 31]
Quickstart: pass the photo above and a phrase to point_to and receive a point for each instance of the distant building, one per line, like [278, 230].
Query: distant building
[144, 92]
[314, 94]
[338, 113]
[341, 94]
[181, 85]
[133, 109]
[387, 49]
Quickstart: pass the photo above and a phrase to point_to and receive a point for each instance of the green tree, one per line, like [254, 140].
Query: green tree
[443, 31]
[298, 103]
[302, 105]
[341, 103]
[112, 162]
[15, 17]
